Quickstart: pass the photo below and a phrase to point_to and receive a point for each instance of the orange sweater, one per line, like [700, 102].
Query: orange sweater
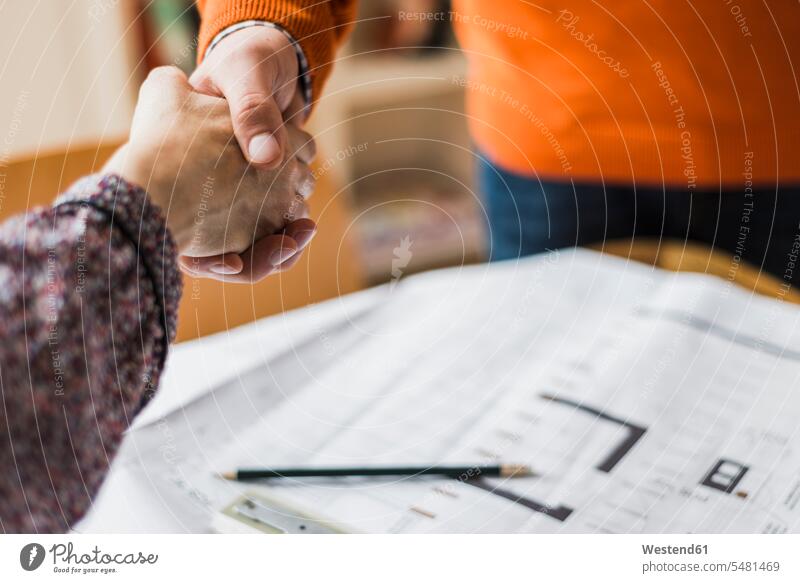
[694, 94]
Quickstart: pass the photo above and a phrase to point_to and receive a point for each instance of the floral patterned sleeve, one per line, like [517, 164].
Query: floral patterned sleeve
[89, 291]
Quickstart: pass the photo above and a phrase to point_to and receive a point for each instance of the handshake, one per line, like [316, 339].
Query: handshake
[231, 219]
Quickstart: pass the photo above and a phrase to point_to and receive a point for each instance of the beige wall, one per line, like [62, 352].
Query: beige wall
[65, 74]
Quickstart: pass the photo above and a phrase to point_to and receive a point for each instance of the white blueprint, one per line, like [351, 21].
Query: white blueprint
[646, 401]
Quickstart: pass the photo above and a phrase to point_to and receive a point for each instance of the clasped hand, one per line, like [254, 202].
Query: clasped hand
[183, 151]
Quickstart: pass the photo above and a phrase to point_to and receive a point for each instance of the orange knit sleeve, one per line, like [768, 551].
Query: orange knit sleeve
[320, 26]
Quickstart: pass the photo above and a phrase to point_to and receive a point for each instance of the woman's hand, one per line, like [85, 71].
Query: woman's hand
[182, 150]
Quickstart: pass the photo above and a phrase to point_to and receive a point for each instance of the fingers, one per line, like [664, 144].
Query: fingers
[226, 264]
[303, 145]
[268, 255]
[262, 259]
[289, 263]
[277, 252]
[302, 231]
[304, 149]
[304, 181]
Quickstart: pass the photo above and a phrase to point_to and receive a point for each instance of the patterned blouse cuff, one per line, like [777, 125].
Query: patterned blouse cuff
[130, 210]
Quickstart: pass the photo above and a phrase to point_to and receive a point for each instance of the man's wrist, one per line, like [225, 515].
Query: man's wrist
[304, 77]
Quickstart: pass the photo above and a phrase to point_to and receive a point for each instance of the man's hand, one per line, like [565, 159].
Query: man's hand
[256, 70]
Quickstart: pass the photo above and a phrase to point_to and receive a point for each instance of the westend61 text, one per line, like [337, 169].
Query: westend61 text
[675, 550]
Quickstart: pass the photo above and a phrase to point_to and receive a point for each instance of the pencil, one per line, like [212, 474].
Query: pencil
[457, 472]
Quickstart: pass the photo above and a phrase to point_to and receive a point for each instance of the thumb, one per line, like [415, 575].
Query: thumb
[255, 70]
[255, 114]
[257, 123]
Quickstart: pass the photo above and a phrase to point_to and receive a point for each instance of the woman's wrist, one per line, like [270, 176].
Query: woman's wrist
[134, 169]
[127, 208]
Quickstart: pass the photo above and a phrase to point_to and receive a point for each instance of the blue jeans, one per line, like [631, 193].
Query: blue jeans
[526, 216]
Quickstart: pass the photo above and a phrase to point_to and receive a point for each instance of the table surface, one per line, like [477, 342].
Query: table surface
[687, 256]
